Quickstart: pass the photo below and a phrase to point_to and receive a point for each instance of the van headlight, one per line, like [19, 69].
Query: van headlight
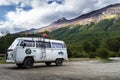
[10, 55]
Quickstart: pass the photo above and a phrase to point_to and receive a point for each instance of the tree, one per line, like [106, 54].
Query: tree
[103, 53]
[6, 41]
[86, 47]
[113, 44]
[95, 43]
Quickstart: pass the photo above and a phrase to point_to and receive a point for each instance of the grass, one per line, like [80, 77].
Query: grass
[2, 60]
[81, 59]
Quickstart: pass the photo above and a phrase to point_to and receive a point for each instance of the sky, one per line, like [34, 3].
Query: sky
[20, 15]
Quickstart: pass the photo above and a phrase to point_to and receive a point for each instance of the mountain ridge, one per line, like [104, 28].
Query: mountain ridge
[107, 12]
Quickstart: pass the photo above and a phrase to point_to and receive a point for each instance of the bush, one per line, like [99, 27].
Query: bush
[69, 53]
[92, 55]
[93, 48]
[103, 53]
[113, 54]
[95, 43]
[2, 60]
[86, 47]
[113, 44]
[118, 53]
[81, 55]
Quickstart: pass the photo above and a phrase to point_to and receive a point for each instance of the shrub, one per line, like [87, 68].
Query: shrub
[118, 54]
[92, 55]
[86, 47]
[78, 55]
[113, 44]
[95, 43]
[113, 54]
[93, 48]
[103, 53]
[82, 55]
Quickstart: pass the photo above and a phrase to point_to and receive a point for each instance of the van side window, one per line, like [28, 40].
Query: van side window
[47, 45]
[28, 43]
[57, 45]
[40, 44]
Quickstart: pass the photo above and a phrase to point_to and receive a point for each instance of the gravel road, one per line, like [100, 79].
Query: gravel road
[85, 70]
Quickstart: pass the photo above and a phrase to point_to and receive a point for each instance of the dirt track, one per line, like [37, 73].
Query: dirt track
[85, 70]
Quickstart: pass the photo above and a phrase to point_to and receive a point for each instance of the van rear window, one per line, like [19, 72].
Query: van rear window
[58, 45]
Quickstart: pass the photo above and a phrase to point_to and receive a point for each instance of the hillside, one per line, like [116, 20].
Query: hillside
[109, 12]
[102, 30]
[91, 39]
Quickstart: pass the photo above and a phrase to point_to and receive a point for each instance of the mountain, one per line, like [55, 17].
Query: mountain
[60, 21]
[109, 12]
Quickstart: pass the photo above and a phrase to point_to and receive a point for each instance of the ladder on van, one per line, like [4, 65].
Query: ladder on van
[41, 39]
[43, 48]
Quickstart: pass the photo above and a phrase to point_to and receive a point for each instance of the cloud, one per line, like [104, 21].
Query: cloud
[41, 13]
[4, 2]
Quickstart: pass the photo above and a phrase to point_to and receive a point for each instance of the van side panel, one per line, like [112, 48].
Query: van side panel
[59, 53]
[21, 54]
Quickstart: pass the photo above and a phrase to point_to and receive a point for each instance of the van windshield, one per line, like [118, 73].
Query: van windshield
[14, 44]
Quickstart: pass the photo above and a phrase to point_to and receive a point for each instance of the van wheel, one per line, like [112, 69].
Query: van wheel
[20, 65]
[59, 62]
[48, 63]
[28, 62]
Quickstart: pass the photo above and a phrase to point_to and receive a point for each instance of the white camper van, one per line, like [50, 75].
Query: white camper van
[25, 51]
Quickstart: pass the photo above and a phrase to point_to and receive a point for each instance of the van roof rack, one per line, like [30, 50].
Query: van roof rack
[35, 35]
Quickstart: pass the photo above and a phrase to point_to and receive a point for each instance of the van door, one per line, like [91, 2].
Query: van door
[40, 49]
[48, 51]
[44, 50]
[26, 48]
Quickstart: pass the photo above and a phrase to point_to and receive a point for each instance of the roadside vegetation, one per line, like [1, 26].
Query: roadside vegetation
[2, 58]
[93, 40]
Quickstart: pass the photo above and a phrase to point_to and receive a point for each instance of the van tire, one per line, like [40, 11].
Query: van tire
[59, 62]
[28, 63]
[48, 63]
